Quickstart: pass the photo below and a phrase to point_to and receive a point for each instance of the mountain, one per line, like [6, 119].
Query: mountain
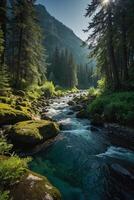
[56, 34]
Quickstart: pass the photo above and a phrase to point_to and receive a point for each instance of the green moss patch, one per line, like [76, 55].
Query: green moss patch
[9, 115]
[33, 132]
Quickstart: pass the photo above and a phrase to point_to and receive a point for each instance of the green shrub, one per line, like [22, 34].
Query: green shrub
[48, 89]
[33, 92]
[97, 106]
[116, 107]
[11, 170]
[101, 85]
[4, 147]
[93, 92]
[4, 195]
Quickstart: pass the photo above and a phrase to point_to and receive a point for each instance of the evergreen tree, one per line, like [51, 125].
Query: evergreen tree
[112, 26]
[56, 65]
[3, 25]
[4, 77]
[28, 56]
[72, 72]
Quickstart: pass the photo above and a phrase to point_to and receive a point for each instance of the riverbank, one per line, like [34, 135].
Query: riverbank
[84, 162]
[24, 131]
[112, 113]
[75, 135]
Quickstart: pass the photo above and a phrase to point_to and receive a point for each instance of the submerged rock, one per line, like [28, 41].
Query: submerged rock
[82, 114]
[119, 169]
[34, 187]
[70, 113]
[9, 115]
[30, 133]
[71, 103]
[77, 107]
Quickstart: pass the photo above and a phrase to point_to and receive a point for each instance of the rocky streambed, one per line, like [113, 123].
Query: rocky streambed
[86, 162]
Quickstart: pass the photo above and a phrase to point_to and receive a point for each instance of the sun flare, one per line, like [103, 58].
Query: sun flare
[105, 2]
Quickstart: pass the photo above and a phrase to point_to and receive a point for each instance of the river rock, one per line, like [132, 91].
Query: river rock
[82, 114]
[34, 187]
[45, 117]
[119, 169]
[97, 120]
[71, 103]
[70, 113]
[28, 134]
[77, 108]
[9, 115]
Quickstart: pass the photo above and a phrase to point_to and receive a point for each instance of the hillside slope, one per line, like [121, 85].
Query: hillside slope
[58, 35]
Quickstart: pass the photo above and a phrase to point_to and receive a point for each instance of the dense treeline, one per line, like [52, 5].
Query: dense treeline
[23, 60]
[111, 40]
[21, 52]
[64, 71]
[87, 76]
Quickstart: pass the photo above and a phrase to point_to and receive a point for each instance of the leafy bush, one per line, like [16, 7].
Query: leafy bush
[4, 195]
[93, 91]
[11, 170]
[101, 85]
[48, 89]
[4, 147]
[97, 106]
[117, 107]
[33, 92]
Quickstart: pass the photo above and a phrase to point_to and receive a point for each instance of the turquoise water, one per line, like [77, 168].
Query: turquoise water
[84, 164]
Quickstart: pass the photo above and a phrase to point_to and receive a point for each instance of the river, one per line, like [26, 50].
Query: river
[83, 164]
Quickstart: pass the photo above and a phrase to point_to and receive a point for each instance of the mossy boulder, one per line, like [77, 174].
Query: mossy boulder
[31, 133]
[9, 115]
[34, 187]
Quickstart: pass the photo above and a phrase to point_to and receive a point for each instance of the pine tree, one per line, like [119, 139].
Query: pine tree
[4, 77]
[29, 56]
[72, 69]
[111, 40]
[3, 24]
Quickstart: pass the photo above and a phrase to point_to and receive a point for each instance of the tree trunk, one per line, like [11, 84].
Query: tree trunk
[18, 74]
[3, 7]
[111, 51]
[124, 48]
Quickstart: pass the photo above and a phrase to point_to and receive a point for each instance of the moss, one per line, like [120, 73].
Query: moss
[33, 132]
[34, 187]
[5, 99]
[9, 115]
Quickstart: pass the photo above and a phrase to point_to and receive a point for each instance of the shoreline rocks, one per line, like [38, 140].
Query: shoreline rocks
[33, 186]
[28, 134]
[9, 115]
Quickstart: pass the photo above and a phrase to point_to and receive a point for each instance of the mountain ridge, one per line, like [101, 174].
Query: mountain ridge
[59, 35]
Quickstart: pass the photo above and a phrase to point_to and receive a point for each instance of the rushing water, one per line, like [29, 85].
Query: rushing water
[82, 163]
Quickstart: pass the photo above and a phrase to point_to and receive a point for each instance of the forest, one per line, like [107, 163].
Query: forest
[66, 119]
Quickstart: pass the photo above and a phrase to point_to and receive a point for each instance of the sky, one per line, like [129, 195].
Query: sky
[69, 12]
